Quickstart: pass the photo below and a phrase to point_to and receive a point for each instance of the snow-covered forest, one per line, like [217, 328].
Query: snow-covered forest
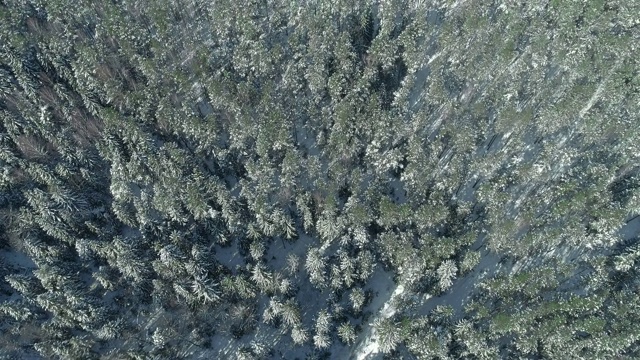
[344, 179]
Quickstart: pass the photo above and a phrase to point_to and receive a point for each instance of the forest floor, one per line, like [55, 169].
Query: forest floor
[368, 345]
[463, 287]
[382, 305]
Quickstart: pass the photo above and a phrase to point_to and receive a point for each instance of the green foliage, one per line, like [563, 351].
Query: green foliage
[187, 159]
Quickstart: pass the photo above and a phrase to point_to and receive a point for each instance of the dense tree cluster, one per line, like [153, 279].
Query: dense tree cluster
[253, 179]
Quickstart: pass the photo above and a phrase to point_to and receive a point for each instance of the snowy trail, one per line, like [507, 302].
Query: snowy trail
[367, 347]
[598, 92]
[464, 286]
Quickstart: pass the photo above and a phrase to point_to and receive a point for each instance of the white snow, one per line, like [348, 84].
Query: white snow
[229, 256]
[368, 345]
[463, 286]
[597, 93]
[434, 57]
[455, 5]
[17, 259]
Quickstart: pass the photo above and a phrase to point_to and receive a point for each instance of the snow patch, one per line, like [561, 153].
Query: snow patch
[369, 346]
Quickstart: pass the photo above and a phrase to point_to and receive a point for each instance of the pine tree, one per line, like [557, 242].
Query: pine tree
[205, 290]
[314, 265]
[347, 333]
[293, 264]
[321, 338]
[388, 336]
[446, 273]
[262, 278]
[357, 298]
[299, 335]
[470, 260]
[290, 313]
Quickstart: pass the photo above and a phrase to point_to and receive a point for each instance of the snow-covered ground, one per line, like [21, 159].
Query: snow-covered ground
[16, 259]
[463, 286]
[368, 347]
[382, 305]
